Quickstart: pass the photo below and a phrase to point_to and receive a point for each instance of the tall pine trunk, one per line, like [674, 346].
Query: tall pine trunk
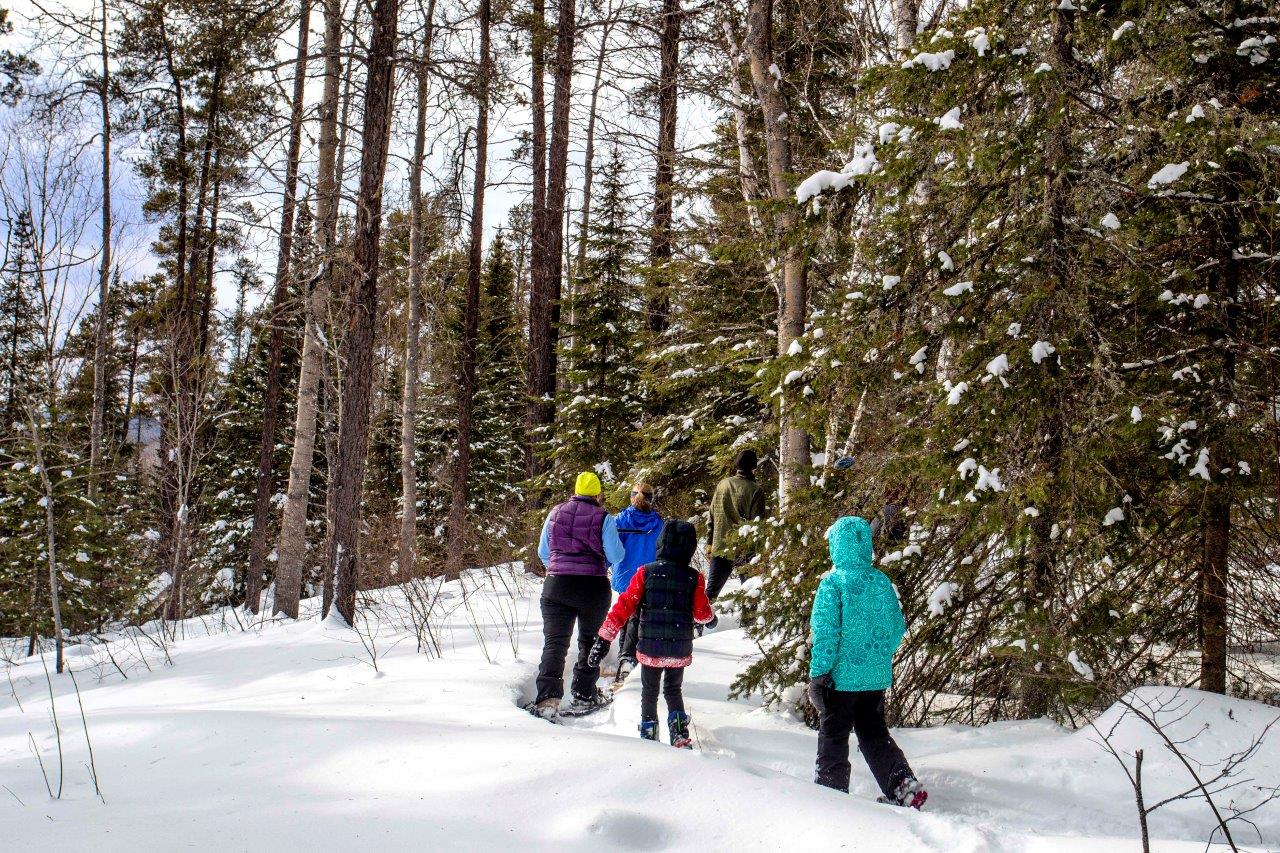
[279, 302]
[362, 312]
[542, 338]
[793, 443]
[417, 250]
[660, 245]
[99, 416]
[292, 550]
[589, 156]
[455, 549]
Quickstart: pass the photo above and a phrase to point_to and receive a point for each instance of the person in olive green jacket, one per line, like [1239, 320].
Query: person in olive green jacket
[737, 499]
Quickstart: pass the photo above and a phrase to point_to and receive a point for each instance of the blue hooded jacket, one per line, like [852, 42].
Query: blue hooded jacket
[638, 530]
[857, 622]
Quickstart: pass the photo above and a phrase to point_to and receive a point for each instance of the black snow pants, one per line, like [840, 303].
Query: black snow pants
[629, 637]
[862, 712]
[671, 679]
[566, 600]
[718, 576]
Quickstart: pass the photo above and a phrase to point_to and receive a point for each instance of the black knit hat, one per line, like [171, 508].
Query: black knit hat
[746, 461]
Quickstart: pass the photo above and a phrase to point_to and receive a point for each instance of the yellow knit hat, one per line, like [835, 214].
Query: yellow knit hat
[588, 485]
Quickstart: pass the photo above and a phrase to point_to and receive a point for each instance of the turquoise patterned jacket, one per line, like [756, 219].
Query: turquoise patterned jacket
[857, 621]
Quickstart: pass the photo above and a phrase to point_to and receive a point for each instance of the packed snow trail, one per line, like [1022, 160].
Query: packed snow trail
[286, 736]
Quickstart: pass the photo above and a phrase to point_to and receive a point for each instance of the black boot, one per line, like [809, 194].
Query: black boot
[678, 725]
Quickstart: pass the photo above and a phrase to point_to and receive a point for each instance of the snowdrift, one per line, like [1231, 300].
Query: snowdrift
[241, 735]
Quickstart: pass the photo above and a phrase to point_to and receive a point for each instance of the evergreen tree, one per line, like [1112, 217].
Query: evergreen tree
[599, 406]
[497, 467]
[21, 338]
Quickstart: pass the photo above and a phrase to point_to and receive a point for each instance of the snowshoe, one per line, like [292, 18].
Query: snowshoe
[547, 709]
[625, 668]
[909, 794]
[648, 729]
[583, 705]
[678, 725]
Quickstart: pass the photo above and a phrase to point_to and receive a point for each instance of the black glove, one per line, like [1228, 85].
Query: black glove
[599, 649]
[824, 682]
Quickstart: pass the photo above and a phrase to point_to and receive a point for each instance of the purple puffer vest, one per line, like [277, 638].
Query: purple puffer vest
[575, 540]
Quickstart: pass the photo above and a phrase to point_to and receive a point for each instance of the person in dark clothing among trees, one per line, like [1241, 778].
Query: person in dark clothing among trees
[670, 597]
[737, 499]
[579, 544]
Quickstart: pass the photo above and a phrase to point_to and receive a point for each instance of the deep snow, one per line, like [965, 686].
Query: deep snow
[286, 737]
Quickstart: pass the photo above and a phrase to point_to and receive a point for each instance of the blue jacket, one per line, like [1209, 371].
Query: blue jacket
[639, 531]
[857, 621]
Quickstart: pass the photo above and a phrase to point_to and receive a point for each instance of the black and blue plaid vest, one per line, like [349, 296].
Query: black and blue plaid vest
[666, 611]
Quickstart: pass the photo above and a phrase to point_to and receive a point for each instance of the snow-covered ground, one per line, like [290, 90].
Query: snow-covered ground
[283, 737]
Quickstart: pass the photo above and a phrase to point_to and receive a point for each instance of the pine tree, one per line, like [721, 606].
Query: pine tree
[21, 357]
[498, 441]
[983, 312]
[599, 407]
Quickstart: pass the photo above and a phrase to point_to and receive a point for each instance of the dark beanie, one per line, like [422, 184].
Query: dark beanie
[746, 461]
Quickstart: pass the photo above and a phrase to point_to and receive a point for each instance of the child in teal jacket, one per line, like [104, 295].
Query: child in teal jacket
[857, 626]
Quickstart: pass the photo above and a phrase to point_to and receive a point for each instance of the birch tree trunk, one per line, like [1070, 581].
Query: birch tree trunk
[279, 302]
[906, 18]
[362, 312]
[99, 416]
[793, 444]
[455, 548]
[406, 558]
[292, 550]
[746, 162]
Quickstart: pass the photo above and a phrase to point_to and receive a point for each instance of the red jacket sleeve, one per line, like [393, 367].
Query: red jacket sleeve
[625, 606]
[702, 613]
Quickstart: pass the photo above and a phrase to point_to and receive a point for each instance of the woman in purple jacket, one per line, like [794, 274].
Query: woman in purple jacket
[579, 544]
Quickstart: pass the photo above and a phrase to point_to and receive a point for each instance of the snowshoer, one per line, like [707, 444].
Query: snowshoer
[737, 499]
[638, 528]
[857, 625]
[670, 596]
[578, 545]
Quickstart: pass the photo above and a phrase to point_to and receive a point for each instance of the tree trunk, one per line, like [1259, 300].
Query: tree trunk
[548, 261]
[660, 245]
[99, 416]
[417, 250]
[906, 15]
[1214, 590]
[362, 312]
[292, 550]
[455, 549]
[588, 161]
[746, 162]
[279, 302]
[542, 339]
[793, 444]
[51, 541]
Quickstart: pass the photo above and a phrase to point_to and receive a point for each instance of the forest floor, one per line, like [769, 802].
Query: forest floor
[282, 736]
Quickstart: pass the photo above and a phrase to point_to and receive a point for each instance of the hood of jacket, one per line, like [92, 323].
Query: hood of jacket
[849, 540]
[677, 542]
[640, 520]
